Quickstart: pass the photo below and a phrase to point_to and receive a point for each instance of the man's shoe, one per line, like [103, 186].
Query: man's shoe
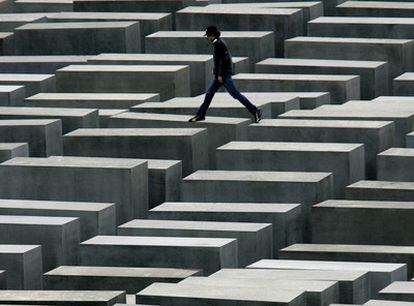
[258, 116]
[197, 118]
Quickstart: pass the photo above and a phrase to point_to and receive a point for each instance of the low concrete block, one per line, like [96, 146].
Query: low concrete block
[12, 150]
[30, 6]
[7, 43]
[381, 190]
[376, 9]
[400, 291]
[12, 95]
[395, 164]
[10, 21]
[402, 85]
[33, 83]
[387, 303]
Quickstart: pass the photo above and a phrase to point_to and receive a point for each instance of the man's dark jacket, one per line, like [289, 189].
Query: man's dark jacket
[223, 64]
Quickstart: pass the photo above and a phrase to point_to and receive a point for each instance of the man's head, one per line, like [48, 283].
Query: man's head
[212, 33]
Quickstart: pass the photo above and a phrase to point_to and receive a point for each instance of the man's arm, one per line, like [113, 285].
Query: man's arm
[218, 59]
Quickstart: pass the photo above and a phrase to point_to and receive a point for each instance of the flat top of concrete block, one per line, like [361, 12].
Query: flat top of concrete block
[403, 152]
[383, 185]
[226, 207]
[26, 17]
[393, 99]
[54, 205]
[58, 295]
[407, 76]
[191, 103]
[46, 1]
[350, 248]
[46, 111]
[162, 163]
[5, 34]
[399, 287]
[325, 265]
[348, 40]
[111, 112]
[267, 4]
[74, 25]
[199, 34]
[377, 4]
[344, 124]
[17, 248]
[153, 57]
[325, 275]
[358, 204]
[320, 63]
[91, 96]
[108, 15]
[122, 272]
[179, 118]
[195, 225]
[43, 58]
[11, 145]
[123, 68]
[295, 77]
[25, 77]
[217, 292]
[363, 20]
[25, 122]
[257, 176]
[35, 220]
[387, 303]
[159, 241]
[76, 162]
[290, 146]
[351, 111]
[236, 10]
[130, 132]
[10, 88]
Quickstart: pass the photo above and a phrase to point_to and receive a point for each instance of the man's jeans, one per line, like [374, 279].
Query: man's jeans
[231, 88]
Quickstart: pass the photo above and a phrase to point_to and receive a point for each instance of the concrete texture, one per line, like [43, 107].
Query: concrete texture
[376, 9]
[33, 83]
[400, 291]
[12, 95]
[381, 190]
[395, 164]
[10, 21]
[12, 150]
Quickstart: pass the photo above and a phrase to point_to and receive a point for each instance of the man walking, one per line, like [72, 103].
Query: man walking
[222, 76]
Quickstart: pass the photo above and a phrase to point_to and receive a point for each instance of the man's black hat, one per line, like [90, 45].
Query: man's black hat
[211, 30]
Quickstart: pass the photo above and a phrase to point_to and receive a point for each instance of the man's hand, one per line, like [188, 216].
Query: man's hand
[220, 79]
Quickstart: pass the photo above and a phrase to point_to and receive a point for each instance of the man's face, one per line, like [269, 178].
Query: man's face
[210, 38]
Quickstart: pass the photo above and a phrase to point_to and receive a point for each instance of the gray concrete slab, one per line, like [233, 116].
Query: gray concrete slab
[7, 44]
[255, 240]
[59, 236]
[89, 100]
[63, 297]
[167, 80]
[381, 190]
[200, 65]
[402, 84]
[23, 264]
[105, 114]
[288, 21]
[351, 252]
[33, 83]
[30, 6]
[208, 254]
[9, 150]
[10, 21]
[374, 78]
[12, 95]
[72, 118]
[285, 218]
[397, 52]
[395, 164]
[317, 293]
[77, 38]
[130, 279]
[256, 45]
[198, 295]
[375, 135]
[353, 285]
[380, 274]
[94, 218]
[400, 291]
[367, 222]
[341, 87]
[115, 180]
[43, 136]
[375, 9]
[345, 161]
[410, 140]
[185, 144]
[387, 303]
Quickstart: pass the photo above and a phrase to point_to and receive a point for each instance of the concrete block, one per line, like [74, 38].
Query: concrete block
[12, 95]
[397, 52]
[59, 236]
[200, 65]
[367, 222]
[351, 252]
[285, 218]
[188, 145]
[208, 254]
[10, 21]
[43, 136]
[256, 45]
[375, 9]
[132, 280]
[23, 264]
[375, 135]
[12, 150]
[63, 297]
[89, 100]
[400, 291]
[167, 80]
[373, 75]
[353, 285]
[77, 38]
[30, 6]
[402, 85]
[380, 274]
[341, 87]
[105, 114]
[198, 295]
[396, 164]
[33, 83]
[410, 140]
[94, 218]
[387, 303]
[72, 118]
[111, 180]
[380, 190]
[7, 44]
[255, 240]
[345, 161]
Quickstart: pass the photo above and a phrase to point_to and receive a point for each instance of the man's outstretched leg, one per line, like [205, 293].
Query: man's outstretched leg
[201, 113]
